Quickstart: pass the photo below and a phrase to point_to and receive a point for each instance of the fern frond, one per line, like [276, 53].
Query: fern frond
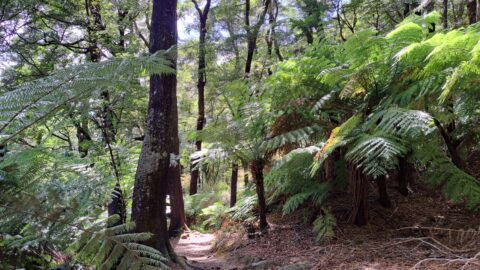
[338, 137]
[323, 226]
[403, 123]
[376, 154]
[117, 247]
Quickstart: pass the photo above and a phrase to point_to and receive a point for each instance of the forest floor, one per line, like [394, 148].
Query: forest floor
[422, 227]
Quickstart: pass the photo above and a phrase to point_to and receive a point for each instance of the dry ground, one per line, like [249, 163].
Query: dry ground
[412, 230]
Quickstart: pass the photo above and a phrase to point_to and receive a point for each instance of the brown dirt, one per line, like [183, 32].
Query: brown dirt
[393, 239]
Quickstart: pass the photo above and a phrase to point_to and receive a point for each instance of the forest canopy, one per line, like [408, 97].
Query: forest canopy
[126, 125]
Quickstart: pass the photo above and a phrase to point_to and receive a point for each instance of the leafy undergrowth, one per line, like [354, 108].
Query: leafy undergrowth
[418, 227]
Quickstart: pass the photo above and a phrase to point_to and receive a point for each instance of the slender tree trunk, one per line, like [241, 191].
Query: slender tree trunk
[472, 11]
[445, 14]
[456, 159]
[233, 185]
[155, 170]
[359, 189]
[245, 174]
[202, 81]
[117, 205]
[256, 168]
[404, 173]
[383, 197]
[252, 34]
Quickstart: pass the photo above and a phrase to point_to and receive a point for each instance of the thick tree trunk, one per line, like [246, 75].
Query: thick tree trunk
[155, 171]
[256, 168]
[472, 11]
[359, 190]
[202, 81]
[177, 218]
[233, 185]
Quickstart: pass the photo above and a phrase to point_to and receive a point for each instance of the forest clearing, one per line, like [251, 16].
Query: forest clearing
[239, 134]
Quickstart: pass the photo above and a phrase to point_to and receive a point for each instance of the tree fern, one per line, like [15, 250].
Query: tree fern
[117, 248]
[439, 171]
[376, 154]
[36, 100]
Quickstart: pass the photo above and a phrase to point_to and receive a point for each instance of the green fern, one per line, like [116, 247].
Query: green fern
[376, 154]
[117, 248]
[323, 226]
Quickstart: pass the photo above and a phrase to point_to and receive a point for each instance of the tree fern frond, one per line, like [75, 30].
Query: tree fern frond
[376, 154]
[323, 226]
[294, 136]
[402, 122]
[338, 137]
[117, 246]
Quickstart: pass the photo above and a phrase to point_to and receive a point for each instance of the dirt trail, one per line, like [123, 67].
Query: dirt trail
[196, 247]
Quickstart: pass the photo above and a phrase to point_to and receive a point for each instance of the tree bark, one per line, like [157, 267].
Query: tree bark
[404, 173]
[155, 170]
[117, 206]
[252, 34]
[202, 81]
[359, 190]
[445, 14]
[233, 185]
[456, 159]
[245, 174]
[472, 11]
[383, 198]
[256, 168]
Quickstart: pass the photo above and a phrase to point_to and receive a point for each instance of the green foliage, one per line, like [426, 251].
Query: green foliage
[244, 208]
[36, 100]
[214, 215]
[117, 248]
[291, 177]
[376, 154]
[457, 185]
[323, 226]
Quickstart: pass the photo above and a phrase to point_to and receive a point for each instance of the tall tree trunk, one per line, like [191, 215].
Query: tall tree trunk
[245, 174]
[472, 11]
[256, 168]
[445, 14]
[233, 185]
[359, 190]
[252, 33]
[155, 171]
[117, 205]
[177, 218]
[202, 81]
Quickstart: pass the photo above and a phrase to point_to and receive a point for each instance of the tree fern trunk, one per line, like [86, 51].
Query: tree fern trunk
[404, 173]
[383, 197]
[256, 168]
[359, 190]
[155, 170]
